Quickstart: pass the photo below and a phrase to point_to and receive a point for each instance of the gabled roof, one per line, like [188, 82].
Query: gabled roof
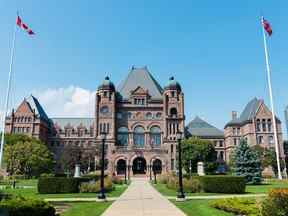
[200, 128]
[249, 112]
[143, 78]
[73, 122]
[35, 105]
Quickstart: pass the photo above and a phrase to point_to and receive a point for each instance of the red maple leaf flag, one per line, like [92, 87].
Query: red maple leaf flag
[24, 26]
[267, 26]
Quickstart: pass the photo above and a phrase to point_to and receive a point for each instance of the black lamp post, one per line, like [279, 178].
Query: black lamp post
[180, 194]
[150, 172]
[125, 172]
[155, 173]
[102, 190]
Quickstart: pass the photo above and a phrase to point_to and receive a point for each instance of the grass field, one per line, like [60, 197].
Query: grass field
[85, 208]
[254, 189]
[32, 192]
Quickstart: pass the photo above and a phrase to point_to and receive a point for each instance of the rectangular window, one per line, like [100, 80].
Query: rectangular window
[234, 131]
[221, 143]
[235, 141]
[238, 131]
[260, 139]
[271, 140]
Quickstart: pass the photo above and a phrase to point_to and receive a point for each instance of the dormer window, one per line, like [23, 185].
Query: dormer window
[139, 101]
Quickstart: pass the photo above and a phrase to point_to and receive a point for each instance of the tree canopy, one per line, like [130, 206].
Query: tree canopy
[195, 150]
[27, 156]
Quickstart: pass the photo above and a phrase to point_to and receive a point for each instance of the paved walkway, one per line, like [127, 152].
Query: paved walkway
[141, 199]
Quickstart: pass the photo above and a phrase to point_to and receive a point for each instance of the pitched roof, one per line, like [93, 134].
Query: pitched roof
[199, 127]
[248, 113]
[35, 105]
[143, 78]
[73, 122]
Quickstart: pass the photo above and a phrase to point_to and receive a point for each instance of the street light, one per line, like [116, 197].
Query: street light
[102, 190]
[180, 194]
[125, 172]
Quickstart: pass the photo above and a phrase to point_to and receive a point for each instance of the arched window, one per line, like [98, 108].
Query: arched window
[155, 136]
[149, 115]
[258, 125]
[138, 136]
[122, 136]
[173, 112]
[269, 125]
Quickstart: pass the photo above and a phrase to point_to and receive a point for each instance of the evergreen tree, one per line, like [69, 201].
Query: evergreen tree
[247, 163]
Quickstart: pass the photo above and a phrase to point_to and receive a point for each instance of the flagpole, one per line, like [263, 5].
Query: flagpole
[8, 94]
[271, 100]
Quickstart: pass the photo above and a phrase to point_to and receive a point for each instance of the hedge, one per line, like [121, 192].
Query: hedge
[223, 184]
[276, 203]
[19, 206]
[50, 185]
[238, 206]
[95, 187]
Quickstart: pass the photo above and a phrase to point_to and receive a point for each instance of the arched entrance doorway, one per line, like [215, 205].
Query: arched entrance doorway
[121, 167]
[157, 166]
[139, 166]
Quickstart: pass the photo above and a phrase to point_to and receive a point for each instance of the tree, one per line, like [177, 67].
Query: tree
[26, 156]
[70, 156]
[195, 150]
[268, 158]
[247, 163]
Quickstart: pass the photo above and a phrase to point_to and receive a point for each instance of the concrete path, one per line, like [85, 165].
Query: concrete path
[141, 199]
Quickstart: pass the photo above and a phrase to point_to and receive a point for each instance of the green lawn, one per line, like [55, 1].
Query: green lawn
[255, 189]
[32, 192]
[199, 208]
[86, 208]
[265, 187]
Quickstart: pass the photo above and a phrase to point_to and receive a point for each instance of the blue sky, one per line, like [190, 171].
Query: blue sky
[213, 48]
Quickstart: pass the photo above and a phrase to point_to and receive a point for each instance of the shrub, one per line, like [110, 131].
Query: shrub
[238, 206]
[223, 184]
[47, 175]
[52, 185]
[19, 206]
[95, 187]
[163, 179]
[276, 203]
[192, 185]
[117, 180]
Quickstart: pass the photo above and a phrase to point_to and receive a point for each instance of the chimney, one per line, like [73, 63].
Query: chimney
[234, 115]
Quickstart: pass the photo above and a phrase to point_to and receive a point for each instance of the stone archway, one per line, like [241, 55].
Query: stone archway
[139, 166]
[121, 167]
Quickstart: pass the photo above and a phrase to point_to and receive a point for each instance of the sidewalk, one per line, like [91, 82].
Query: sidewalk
[141, 199]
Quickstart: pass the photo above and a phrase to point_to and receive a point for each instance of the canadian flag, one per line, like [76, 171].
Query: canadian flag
[24, 26]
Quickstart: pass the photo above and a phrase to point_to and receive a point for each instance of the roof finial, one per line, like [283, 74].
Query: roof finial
[171, 78]
[107, 78]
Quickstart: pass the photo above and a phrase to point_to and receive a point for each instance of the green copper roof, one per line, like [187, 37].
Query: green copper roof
[200, 128]
[143, 78]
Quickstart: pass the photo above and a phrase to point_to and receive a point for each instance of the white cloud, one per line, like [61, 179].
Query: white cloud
[67, 102]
